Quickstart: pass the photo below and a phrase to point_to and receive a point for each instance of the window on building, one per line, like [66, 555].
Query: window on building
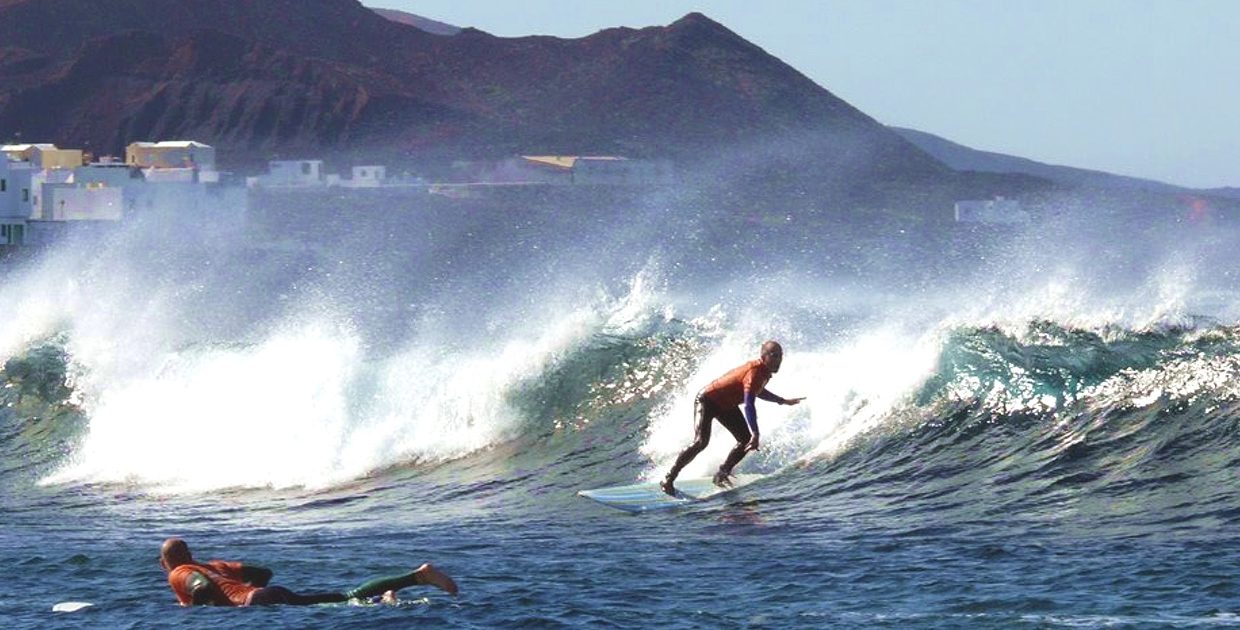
[25, 194]
[4, 185]
[305, 168]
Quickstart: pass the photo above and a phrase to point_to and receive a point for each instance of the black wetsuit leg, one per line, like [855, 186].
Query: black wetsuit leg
[706, 413]
[734, 421]
[272, 595]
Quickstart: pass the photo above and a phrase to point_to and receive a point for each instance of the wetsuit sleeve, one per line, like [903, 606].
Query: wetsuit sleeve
[769, 397]
[751, 413]
[201, 589]
[255, 576]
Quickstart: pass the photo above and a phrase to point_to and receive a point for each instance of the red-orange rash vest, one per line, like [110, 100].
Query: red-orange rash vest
[729, 390]
[225, 575]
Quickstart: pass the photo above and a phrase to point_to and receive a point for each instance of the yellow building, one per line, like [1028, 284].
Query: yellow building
[594, 170]
[171, 154]
[23, 152]
[44, 155]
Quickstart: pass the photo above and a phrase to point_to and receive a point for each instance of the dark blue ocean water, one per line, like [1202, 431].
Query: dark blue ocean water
[1030, 453]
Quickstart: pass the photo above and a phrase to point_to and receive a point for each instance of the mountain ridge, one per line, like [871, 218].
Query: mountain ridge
[293, 78]
[423, 23]
[964, 158]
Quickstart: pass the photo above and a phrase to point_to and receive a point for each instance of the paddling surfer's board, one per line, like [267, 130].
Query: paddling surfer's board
[68, 607]
[644, 497]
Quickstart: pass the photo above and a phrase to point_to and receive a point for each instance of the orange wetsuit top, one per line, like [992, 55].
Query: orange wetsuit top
[729, 390]
[231, 589]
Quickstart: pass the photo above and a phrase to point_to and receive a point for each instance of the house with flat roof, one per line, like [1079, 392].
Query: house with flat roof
[291, 173]
[366, 177]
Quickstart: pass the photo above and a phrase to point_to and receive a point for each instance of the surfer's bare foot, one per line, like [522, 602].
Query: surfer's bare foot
[667, 487]
[428, 574]
[389, 597]
[723, 480]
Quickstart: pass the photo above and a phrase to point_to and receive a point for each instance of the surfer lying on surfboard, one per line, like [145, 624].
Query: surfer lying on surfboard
[220, 583]
[721, 401]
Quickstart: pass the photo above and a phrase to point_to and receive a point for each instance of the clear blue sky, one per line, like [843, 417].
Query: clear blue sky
[1149, 88]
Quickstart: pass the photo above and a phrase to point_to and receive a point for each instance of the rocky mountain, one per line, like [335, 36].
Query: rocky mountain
[292, 78]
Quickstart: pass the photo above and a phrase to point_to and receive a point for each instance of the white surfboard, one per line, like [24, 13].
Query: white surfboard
[644, 497]
[68, 607]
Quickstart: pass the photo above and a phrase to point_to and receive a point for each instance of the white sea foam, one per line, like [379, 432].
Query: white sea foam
[306, 406]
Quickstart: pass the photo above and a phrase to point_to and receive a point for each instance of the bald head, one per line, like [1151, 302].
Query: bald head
[174, 553]
[772, 355]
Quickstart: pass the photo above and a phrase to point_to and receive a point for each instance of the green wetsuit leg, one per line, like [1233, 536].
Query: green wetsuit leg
[378, 586]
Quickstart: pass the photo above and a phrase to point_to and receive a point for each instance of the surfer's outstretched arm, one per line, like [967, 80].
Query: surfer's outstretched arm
[751, 412]
[772, 397]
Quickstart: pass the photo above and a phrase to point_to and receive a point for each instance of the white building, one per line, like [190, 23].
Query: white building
[12, 221]
[38, 193]
[108, 172]
[67, 202]
[41, 183]
[997, 211]
[366, 177]
[24, 184]
[164, 175]
[47, 193]
[285, 173]
[297, 174]
[25, 172]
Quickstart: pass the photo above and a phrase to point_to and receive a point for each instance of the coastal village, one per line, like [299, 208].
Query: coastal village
[48, 193]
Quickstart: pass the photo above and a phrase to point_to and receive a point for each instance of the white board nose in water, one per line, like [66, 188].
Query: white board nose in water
[68, 607]
[644, 497]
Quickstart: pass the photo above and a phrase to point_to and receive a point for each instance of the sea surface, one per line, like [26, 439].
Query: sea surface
[1042, 440]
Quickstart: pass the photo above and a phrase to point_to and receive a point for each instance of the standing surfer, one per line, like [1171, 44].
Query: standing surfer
[721, 400]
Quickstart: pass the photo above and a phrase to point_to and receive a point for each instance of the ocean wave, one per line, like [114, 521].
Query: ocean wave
[1022, 415]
